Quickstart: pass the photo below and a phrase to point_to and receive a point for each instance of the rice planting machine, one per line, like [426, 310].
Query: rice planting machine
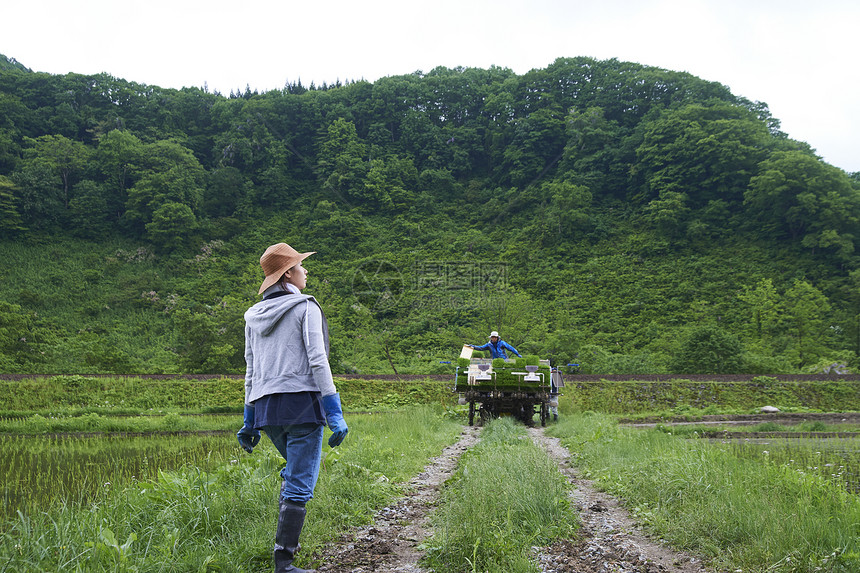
[520, 387]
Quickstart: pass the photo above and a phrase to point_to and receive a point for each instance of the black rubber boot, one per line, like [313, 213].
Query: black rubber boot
[291, 519]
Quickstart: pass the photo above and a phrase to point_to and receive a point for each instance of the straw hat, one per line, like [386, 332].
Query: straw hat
[277, 260]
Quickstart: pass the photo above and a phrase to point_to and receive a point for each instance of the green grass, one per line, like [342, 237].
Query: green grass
[76, 394]
[381, 452]
[739, 513]
[119, 394]
[833, 459]
[687, 398]
[223, 519]
[211, 507]
[97, 423]
[105, 325]
[506, 497]
[36, 473]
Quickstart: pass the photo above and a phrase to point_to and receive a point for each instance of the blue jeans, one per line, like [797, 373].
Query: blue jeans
[301, 447]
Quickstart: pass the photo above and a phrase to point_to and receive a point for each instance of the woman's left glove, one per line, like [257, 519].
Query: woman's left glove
[248, 437]
[334, 417]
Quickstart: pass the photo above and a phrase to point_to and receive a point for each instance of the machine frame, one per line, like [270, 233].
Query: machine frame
[510, 387]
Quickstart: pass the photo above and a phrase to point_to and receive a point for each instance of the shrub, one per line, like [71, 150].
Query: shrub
[709, 350]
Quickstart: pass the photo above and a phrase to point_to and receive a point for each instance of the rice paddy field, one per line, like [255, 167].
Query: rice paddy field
[37, 472]
[125, 489]
[811, 447]
[162, 501]
[834, 459]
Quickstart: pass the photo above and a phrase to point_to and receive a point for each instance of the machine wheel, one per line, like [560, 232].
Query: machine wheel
[472, 413]
[544, 414]
[486, 415]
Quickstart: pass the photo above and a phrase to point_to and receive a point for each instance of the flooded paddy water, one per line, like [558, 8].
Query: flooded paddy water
[820, 444]
[836, 459]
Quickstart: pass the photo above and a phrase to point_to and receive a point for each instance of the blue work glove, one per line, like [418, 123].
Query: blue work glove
[334, 417]
[248, 437]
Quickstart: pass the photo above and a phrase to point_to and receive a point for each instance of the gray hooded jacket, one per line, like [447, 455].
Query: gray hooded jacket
[286, 348]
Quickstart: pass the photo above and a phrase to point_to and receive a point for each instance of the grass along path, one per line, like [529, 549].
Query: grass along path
[608, 539]
[739, 514]
[479, 506]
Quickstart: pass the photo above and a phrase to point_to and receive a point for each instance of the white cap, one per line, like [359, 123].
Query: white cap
[494, 333]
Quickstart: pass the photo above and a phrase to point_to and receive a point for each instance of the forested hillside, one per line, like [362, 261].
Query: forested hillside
[627, 218]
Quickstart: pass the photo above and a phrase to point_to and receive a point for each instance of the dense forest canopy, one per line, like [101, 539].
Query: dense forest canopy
[627, 218]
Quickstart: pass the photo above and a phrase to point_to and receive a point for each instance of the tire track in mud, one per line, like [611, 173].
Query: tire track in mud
[390, 543]
[607, 542]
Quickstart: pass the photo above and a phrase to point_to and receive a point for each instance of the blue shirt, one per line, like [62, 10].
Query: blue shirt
[497, 350]
[288, 409]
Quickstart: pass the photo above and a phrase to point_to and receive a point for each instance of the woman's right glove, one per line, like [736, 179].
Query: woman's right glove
[248, 437]
[334, 417]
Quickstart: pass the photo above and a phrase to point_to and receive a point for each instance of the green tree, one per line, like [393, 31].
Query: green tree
[669, 212]
[805, 309]
[570, 206]
[15, 117]
[225, 192]
[376, 187]
[594, 155]
[170, 174]
[761, 304]
[389, 184]
[797, 195]
[65, 156]
[210, 342]
[10, 220]
[119, 156]
[9, 148]
[38, 192]
[537, 146]
[341, 163]
[171, 227]
[853, 311]
[706, 151]
[708, 349]
[89, 212]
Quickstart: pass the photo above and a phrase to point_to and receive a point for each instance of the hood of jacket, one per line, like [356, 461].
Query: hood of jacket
[264, 316]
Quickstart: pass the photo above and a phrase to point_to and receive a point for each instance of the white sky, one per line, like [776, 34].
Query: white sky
[798, 56]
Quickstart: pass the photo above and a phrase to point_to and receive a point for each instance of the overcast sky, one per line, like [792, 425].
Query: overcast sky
[800, 57]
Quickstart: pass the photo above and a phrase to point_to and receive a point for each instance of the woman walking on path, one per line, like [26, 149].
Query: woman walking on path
[289, 390]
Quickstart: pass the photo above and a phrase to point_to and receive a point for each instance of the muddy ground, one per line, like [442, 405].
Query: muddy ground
[782, 418]
[608, 542]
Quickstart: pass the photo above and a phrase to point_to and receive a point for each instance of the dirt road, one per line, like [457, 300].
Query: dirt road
[608, 542]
